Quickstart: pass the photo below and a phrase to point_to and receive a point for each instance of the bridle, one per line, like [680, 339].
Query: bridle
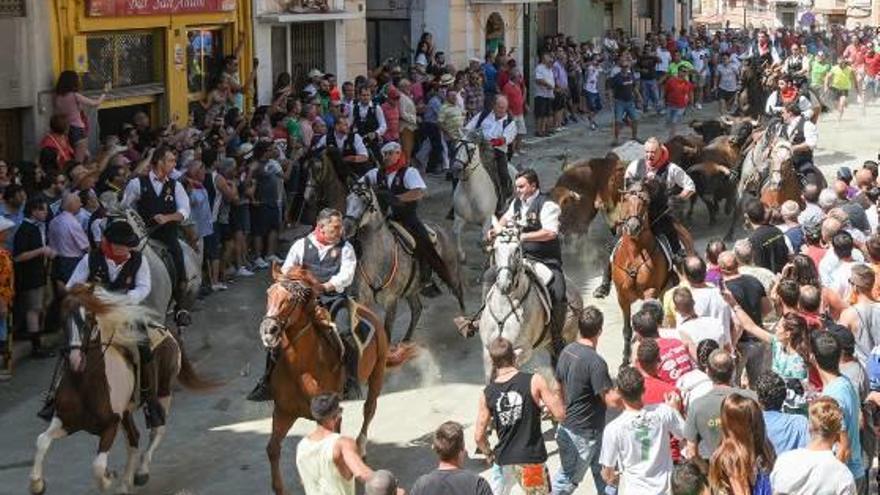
[466, 166]
[362, 191]
[514, 267]
[300, 294]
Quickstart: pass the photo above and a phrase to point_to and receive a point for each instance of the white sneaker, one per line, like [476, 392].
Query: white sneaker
[260, 263]
[244, 272]
[219, 286]
[699, 106]
[274, 259]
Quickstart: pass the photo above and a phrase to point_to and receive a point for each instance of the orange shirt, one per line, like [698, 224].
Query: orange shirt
[7, 278]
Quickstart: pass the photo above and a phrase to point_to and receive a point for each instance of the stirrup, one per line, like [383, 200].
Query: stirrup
[182, 318]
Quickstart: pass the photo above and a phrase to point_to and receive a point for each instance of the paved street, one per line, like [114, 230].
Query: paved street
[216, 440]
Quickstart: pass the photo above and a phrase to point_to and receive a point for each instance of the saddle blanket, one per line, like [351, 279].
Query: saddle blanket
[541, 275]
[361, 328]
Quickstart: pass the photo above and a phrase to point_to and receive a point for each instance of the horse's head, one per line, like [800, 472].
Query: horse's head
[466, 151]
[634, 208]
[80, 324]
[290, 299]
[508, 257]
[779, 160]
[359, 202]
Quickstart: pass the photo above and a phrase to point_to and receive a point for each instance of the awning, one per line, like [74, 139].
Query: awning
[290, 17]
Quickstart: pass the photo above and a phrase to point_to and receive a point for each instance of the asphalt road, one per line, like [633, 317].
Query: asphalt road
[216, 440]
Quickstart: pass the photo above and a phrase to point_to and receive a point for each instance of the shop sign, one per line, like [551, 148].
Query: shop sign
[114, 8]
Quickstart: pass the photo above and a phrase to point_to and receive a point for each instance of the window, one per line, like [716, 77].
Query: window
[204, 58]
[279, 51]
[123, 59]
[306, 50]
[12, 8]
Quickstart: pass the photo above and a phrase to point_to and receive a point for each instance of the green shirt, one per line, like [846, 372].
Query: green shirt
[817, 72]
[841, 78]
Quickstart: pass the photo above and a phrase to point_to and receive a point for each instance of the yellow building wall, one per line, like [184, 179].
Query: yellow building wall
[355, 42]
[70, 20]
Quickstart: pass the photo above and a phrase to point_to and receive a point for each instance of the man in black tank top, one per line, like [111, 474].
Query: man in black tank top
[512, 401]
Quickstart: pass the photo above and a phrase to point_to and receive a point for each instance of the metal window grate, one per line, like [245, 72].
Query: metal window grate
[306, 50]
[122, 60]
[12, 8]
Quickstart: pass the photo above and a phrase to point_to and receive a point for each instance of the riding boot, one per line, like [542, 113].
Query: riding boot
[352, 390]
[48, 410]
[153, 411]
[182, 317]
[605, 286]
[261, 391]
[556, 324]
[429, 287]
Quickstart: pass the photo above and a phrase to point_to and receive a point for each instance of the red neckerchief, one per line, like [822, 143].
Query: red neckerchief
[662, 159]
[319, 236]
[763, 47]
[394, 167]
[107, 251]
[788, 94]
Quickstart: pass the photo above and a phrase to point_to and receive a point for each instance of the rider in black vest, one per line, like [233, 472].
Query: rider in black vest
[349, 160]
[163, 211]
[540, 243]
[802, 148]
[498, 129]
[402, 200]
[371, 125]
[334, 270]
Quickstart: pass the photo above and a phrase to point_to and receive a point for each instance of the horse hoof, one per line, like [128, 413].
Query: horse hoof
[38, 487]
[141, 479]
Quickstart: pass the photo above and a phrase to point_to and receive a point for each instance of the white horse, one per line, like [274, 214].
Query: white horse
[474, 198]
[513, 307]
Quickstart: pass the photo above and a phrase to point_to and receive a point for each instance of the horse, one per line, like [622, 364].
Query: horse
[387, 272]
[96, 390]
[514, 308]
[638, 263]
[323, 189]
[475, 197]
[584, 189]
[310, 358]
[161, 287]
[782, 182]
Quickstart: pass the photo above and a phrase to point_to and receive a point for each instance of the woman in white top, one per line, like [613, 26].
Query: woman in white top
[815, 470]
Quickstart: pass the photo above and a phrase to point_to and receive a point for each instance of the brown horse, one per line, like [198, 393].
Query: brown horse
[638, 263]
[310, 358]
[782, 182]
[95, 392]
[324, 188]
[584, 188]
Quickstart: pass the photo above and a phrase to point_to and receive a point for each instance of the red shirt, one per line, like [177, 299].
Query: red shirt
[515, 99]
[678, 92]
[872, 64]
[503, 77]
[674, 360]
[61, 145]
[815, 253]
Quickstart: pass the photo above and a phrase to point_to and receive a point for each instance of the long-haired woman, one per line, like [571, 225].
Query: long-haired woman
[72, 104]
[742, 463]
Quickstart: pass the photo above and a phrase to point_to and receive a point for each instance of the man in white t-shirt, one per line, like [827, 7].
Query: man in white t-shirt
[726, 82]
[545, 83]
[815, 468]
[635, 453]
[700, 59]
[692, 328]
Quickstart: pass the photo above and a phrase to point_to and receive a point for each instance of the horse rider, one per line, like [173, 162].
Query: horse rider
[332, 261]
[797, 66]
[498, 128]
[346, 150]
[163, 204]
[117, 267]
[803, 135]
[674, 184]
[538, 216]
[368, 120]
[787, 92]
[399, 188]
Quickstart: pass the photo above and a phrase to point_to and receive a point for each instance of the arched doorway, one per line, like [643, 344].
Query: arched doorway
[494, 33]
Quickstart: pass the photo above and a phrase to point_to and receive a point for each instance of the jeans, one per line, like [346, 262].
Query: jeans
[651, 94]
[577, 454]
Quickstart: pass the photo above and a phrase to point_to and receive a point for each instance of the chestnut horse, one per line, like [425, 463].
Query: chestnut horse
[638, 263]
[95, 392]
[782, 182]
[585, 187]
[310, 358]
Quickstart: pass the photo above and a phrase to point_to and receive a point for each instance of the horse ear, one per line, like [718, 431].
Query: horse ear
[276, 272]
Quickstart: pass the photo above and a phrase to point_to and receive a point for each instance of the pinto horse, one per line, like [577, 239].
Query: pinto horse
[95, 392]
[638, 263]
[310, 358]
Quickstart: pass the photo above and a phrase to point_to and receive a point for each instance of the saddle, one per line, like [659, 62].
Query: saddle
[406, 239]
[662, 241]
[157, 335]
[361, 328]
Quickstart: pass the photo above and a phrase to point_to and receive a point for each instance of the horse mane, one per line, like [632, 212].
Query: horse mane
[299, 273]
[115, 315]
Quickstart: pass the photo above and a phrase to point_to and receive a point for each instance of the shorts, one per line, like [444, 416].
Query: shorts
[623, 109]
[240, 219]
[560, 100]
[520, 121]
[75, 134]
[32, 299]
[212, 246]
[727, 96]
[543, 107]
[839, 93]
[674, 115]
[265, 219]
[532, 478]
[594, 101]
[225, 231]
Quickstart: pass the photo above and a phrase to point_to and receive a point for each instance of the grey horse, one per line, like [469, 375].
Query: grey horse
[386, 271]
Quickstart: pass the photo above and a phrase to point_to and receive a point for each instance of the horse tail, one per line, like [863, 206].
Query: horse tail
[188, 377]
[400, 355]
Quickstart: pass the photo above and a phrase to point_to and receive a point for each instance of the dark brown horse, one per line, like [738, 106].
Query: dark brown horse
[324, 188]
[310, 358]
[638, 263]
[585, 187]
[98, 382]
